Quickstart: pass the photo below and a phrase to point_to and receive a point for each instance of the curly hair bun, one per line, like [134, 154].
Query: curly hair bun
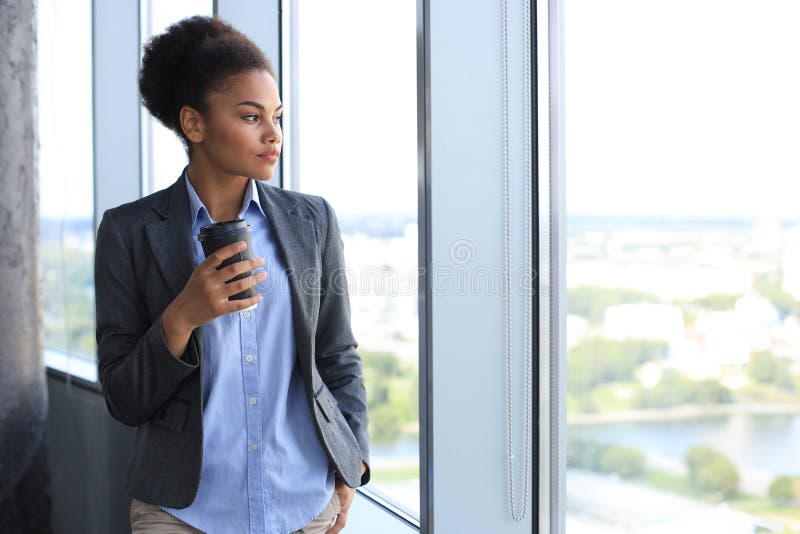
[192, 57]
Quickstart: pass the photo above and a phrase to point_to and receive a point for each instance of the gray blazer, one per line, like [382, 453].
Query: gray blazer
[144, 256]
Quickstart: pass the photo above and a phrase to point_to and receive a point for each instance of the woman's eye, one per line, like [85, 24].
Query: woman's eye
[278, 119]
[250, 118]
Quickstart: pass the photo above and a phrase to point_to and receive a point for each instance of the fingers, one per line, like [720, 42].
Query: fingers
[235, 269]
[245, 283]
[246, 303]
[222, 254]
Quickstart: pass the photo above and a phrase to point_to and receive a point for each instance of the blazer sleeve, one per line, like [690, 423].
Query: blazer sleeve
[337, 360]
[138, 374]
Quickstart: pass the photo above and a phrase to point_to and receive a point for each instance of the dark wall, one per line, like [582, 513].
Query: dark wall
[88, 453]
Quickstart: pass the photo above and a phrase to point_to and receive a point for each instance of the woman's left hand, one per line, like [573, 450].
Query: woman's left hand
[346, 494]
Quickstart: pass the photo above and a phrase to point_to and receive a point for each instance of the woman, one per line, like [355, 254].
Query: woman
[249, 420]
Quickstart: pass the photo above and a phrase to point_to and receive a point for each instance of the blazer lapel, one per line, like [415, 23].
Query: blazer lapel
[171, 239]
[173, 250]
[296, 238]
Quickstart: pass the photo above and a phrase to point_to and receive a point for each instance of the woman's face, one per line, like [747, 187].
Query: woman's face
[242, 131]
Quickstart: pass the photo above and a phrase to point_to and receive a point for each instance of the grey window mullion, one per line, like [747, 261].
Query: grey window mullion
[115, 57]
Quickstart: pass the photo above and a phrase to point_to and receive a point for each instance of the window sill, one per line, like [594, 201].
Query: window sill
[71, 364]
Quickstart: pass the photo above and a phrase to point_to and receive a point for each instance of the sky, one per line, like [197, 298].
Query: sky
[682, 107]
[672, 108]
[65, 108]
[358, 104]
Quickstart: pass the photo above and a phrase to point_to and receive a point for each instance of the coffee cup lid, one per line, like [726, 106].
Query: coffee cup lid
[217, 230]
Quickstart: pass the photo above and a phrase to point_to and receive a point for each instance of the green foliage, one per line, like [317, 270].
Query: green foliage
[597, 360]
[718, 477]
[392, 395]
[591, 301]
[68, 299]
[698, 456]
[627, 462]
[770, 287]
[762, 367]
[785, 490]
[717, 302]
[765, 368]
[584, 454]
[711, 472]
[384, 424]
[675, 389]
[710, 391]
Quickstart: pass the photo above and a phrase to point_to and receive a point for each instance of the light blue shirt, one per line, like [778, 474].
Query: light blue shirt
[264, 468]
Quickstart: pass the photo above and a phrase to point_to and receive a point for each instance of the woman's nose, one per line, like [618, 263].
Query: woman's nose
[271, 134]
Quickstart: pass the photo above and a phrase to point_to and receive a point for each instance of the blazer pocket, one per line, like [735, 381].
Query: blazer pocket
[326, 402]
[172, 415]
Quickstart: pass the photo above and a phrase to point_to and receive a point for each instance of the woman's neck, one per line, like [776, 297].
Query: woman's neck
[221, 193]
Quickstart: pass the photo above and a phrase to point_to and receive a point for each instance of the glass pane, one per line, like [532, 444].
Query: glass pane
[683, 326]
[66, 186]
[163, 155]
[357, 134]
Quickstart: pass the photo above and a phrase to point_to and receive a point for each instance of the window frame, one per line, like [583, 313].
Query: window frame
[117, 179]
[549, 167]
[289, 83]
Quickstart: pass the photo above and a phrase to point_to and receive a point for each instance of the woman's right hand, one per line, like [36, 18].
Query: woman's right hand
[205, 295]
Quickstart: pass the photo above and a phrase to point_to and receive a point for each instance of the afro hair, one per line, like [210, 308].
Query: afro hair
[192, 57]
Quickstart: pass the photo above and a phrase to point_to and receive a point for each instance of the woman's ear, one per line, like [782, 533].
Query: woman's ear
[192, 124]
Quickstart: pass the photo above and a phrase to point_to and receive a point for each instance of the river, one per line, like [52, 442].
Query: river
[766, 443]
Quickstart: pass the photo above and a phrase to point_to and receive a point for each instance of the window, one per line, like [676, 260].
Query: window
[163, 155]
[357, 132]
[683, 254]
[66, 185]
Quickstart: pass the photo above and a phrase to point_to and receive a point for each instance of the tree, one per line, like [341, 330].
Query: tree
[598, 360]
[627, 462]
[771, 288]
[785, 491]
[762, 366]
[672, 389]
[591, 301]
[711, 472]
[384, 424]
[391, 395]
[717, 302]
[710, 391]
[697, 457]
[718, 477]
[675, 389]
[765, 368]
[584, 454]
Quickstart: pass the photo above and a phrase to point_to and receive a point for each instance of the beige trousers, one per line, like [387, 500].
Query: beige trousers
[151, 519]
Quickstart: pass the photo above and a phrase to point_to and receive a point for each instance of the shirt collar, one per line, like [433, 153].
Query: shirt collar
[195, 204]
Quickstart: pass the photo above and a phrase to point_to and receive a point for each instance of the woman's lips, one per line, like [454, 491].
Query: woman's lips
[272, 157]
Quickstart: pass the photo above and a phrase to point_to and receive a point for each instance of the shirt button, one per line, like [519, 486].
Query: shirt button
[252, 400]
[246, 314]
[249, 358]
[254, 447]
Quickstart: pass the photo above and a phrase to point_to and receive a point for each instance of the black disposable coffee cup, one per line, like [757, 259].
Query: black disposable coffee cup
[215, 236]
